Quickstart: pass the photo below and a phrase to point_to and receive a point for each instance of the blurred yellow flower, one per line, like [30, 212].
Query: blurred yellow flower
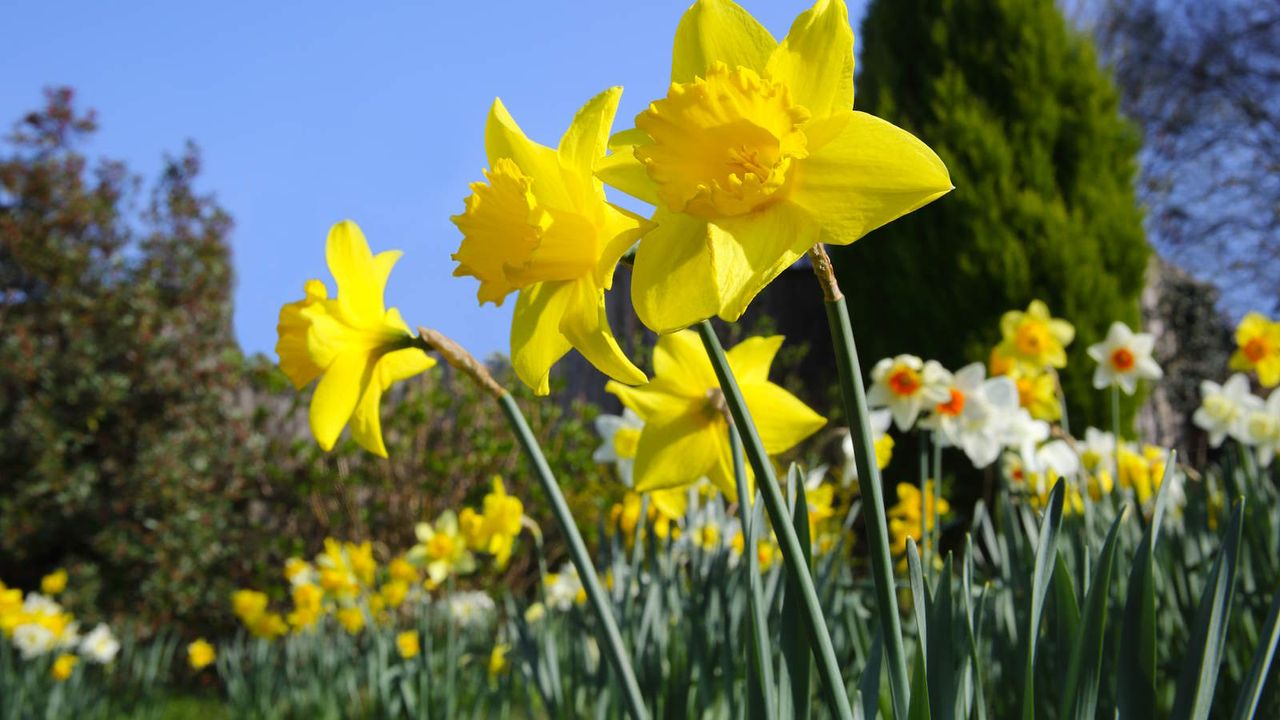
[686, 434]
[351, 619]
[441, 549]
[1038, 393]
[541, 226]
[1258, 348]
[407, 644]
[248, 605]
[753, 157]
[666, 506]
[402, 570]
[494, 531]
[308, 606]
[1034, 339]
[498, 660]
[352, 343]
[63, 666]
[394, 592]
[54, 583]
[200, 654]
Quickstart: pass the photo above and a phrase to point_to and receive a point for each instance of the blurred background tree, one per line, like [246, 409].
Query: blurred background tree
[1014, 102]
[115, 371]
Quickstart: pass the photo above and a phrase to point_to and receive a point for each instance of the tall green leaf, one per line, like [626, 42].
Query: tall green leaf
[1046, 554]
[1080, 693]
[795, 640]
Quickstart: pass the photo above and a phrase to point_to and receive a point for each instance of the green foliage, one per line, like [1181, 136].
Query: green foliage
[115, 374]
[1014, 103]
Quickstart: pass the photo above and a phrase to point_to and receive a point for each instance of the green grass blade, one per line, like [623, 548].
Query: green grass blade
[1064, 594]
[869, 683]
[1046, 555]
[1080, 693]
[1251, 690]
[795, 641]
[919, 707]
[1199, 677]
[1136, 669]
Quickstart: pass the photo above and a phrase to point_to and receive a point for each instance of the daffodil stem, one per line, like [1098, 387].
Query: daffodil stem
[761, 656]
[855, 407]
[780, 518]
[599, 602]
[1115, 429]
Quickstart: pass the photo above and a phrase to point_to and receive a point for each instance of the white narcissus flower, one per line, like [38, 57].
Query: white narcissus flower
[974, 416]
[1098, 451]
[1262, 429]
[907, 385]
[33, 640]
[1123, 358]
[100, 645]
[619, 435]
[471, 608]
[1224, 409]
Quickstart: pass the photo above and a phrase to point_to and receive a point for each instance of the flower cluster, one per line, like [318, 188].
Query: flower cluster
[38, 626]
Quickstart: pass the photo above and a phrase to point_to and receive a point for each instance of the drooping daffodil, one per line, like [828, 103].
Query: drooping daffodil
[686, 432]
[1258, 348]
[541, 226]
[352, 342]
[754, 156]
[1035, 339]
[1124, 358]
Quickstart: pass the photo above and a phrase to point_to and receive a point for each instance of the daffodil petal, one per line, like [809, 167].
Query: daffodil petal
[721, 475]
[670, 503]
[869, 173]
[647, 401]
[588, 134]
[586, 325]
[403, 364]
[366, 422]
[503, 138]
[622, 228]
[815, 59]
[752, 358]
[676, 450]
[536, 341]
[627, 139]
[782, 419]
[623, 171]
[360, 280]
[751, 250]
[336, 396]
[681, 362]
[718, 31]
[674, 284]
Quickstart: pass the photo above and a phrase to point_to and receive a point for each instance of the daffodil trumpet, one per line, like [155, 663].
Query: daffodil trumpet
[775, 505]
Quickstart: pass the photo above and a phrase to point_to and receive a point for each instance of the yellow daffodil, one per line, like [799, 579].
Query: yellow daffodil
[408, 644]
[337, 576]
[666, 506]
[1258, 348]
[54, 583]
[200, 654]
[686, 435]
[394, 592]
[498, 660]
[352, 343]
[754, 156]
[908, 506]
[402, 570]
[268, 626]
[541, 226]
[1034, 339]
[442, 549]
[248, 605]
[308, 606]
[351, 619]
[1038, 393]
[494, 531]
[63, 666]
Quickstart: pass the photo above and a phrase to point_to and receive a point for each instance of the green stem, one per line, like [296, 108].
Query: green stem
[581, 559]
[761, 656]
[1115, 431]
[775, 505]
[935, 534]
[855, 408]
[922, 440]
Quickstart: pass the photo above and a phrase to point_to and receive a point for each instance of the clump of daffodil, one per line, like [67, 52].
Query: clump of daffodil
[753, 157]
[408, 644]
[686, 432]
[352, 343]
[441, 549]
[1034, 339]
[908, 520]
[1258, 348]
[494, 530]
[200, 654]
[541, 226]
[666, 507]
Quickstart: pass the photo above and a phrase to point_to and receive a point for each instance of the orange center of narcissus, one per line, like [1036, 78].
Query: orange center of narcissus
[954, 406]
[904, 381]
[1255, 349]
[1122, 359]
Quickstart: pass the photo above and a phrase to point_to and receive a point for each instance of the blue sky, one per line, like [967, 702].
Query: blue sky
[308, 113]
